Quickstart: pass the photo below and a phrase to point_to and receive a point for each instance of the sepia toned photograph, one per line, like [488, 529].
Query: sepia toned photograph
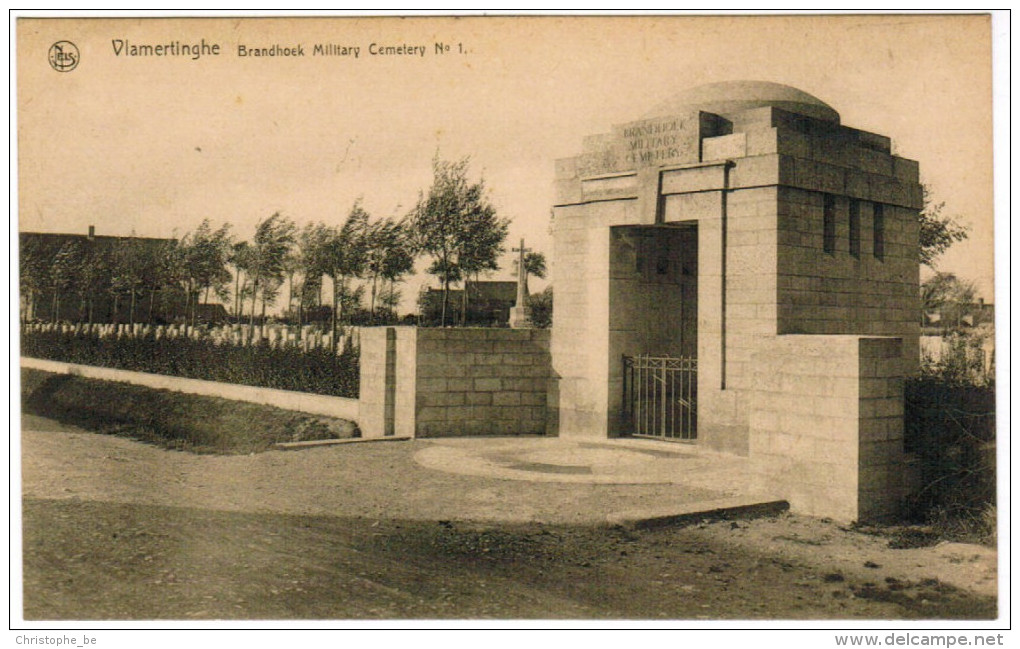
[618, 319]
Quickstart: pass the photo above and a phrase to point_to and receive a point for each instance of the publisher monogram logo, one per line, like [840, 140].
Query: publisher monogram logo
[64, 56]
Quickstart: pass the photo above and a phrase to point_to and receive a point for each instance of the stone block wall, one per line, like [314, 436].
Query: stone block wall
[736, 304]
[827, 424]
[885, 479]
[864, 292]
[580, 346]
[481, 382]
[453, 382]
[840, 292]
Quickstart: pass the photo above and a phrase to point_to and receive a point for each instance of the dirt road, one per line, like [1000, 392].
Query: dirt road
[154, 553]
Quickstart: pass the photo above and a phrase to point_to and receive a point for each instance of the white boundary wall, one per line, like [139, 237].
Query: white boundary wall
[315, 404]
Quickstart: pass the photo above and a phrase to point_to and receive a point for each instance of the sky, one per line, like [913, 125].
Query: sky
[153, 145]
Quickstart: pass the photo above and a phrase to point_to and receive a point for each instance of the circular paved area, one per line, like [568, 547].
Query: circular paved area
[566, 460]
[545, 480]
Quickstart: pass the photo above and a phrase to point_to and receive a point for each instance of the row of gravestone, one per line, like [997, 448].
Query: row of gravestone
[307, 338]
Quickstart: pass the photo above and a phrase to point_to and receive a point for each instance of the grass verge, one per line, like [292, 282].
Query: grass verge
[173, 420]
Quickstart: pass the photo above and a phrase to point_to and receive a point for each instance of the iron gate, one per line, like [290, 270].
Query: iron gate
[660, 396]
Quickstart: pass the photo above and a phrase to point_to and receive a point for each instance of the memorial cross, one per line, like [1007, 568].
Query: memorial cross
[522, 277]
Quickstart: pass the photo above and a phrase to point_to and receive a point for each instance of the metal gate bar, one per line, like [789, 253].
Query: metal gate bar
[660, 396]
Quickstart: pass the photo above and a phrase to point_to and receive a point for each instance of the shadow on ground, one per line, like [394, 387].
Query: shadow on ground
[101, 560]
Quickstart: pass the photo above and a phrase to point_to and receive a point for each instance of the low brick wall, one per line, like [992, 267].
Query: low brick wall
[454, 382]
[827, 424]
[315, 404]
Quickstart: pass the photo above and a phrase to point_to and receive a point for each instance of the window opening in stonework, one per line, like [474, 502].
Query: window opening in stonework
[879, 231]
[829, 225]
[855, 228]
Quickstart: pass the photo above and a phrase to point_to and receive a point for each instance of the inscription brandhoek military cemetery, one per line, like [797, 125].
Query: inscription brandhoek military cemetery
[654, 143]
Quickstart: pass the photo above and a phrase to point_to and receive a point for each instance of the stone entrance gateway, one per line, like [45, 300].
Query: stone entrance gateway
[741, 226]
[653, 310]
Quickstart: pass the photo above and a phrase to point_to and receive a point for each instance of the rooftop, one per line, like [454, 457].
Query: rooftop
[735, 96]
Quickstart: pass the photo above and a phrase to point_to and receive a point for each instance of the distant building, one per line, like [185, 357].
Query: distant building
[488, 305]
[72, 296]
[213, 313]
[958, 317]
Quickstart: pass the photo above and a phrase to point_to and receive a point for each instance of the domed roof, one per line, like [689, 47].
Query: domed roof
[734, 96]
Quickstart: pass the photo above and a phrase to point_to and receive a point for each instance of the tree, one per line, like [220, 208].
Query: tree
[240, 259]
[170, 276]
[95, 273]
[273, 239]
[151, 275]
[541, 306]
[389, 300]
[292, 267]
[271, 288]
[484, 235]
[948, 296]
[310, 244]
[347, 253]
[179, 268]
[63, 273]
[398, 263]
[341, 255]
[389, 256]
[937, 231]
[456, 225]
[534, 264]
[129, 264]
[33, 273]
[207, 254]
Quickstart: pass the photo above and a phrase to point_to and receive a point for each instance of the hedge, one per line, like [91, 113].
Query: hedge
[949, 424]
[319, 371]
